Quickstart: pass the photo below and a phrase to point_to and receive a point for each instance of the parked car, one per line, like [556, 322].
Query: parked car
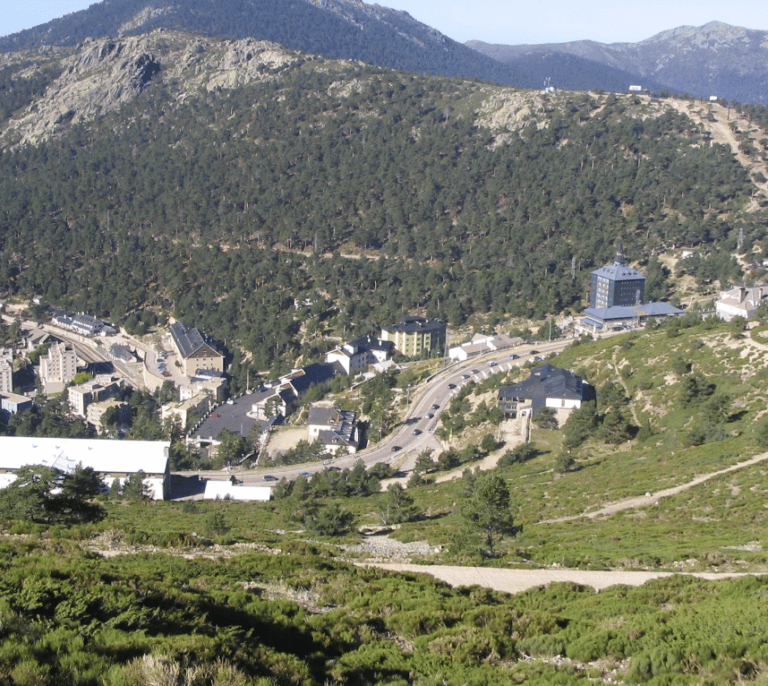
[269, 477]
[513, 356]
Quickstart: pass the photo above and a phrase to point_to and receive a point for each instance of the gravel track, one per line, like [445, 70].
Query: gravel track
[519, 580]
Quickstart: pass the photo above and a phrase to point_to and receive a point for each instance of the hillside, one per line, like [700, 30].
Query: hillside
[246, 594]
[714, 59]
[313, 180]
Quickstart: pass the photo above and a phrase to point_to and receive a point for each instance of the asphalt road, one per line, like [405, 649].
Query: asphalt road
[403, 446]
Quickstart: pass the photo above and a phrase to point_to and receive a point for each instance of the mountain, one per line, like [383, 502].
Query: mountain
[346, 29]
[714, 59]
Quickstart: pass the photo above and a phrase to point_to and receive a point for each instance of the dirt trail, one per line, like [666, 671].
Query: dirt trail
[653, 498]
[519, 580]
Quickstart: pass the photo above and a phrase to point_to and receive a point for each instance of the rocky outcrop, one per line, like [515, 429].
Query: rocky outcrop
[101, 75]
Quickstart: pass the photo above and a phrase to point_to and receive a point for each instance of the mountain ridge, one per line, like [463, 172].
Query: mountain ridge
[340, 29]
[713, 59]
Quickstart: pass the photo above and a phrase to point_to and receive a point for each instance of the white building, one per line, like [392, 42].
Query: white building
[6, 371]
[740, 302]
[359, 354]
[335, 429]
[98, 388]
[111, 460]
[58, 367]
[226, 490]
[481, 343]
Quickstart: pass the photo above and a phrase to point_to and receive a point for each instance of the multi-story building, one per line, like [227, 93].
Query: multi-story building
[58, 367]
[95, 411]
[194, 353]
[6, 371]
[616, 284]
[11, 403]
[415, 336]
[360, 353]
[98, 388]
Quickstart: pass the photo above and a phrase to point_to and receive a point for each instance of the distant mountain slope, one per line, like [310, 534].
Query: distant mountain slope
[348, 29]
[563, 70]
[714, 59]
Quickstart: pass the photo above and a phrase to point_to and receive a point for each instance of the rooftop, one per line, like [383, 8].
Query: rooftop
[104, 456]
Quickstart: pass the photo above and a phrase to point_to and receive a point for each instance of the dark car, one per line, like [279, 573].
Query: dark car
[513, 356]
[534, 352]
[475, 371]
[435, 406]
[269, 477]
[416, 432]
[429, 415]
[395, 448]
[451, 385]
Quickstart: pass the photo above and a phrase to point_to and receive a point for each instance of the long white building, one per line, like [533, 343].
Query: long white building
[110, 459]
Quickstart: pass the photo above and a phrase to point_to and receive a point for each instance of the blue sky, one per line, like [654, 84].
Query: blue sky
[504, 21]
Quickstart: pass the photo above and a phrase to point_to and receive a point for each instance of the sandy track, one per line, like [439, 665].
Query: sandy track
[653, 498]
[519, 580]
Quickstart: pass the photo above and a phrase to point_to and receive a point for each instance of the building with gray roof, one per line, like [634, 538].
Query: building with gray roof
[193, 351]
[616, 284]
[547, 386]
[334, 428]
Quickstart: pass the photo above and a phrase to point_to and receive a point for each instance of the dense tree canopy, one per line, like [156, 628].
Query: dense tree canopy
[278, 212]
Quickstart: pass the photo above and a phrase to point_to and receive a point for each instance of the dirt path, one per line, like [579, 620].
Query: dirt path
[653, 498]
[519, 580]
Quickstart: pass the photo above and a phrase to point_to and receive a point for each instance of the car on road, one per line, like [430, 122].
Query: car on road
[465, 376]
[429, 415]
[416, 432]
[534, 352]
[333, 469]
[306, 474]
[451, 385]
[269, 477]
[492, 363]
[513, 356]
[166, 373]
[475, 371]
[435, 406]
[395, 448]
